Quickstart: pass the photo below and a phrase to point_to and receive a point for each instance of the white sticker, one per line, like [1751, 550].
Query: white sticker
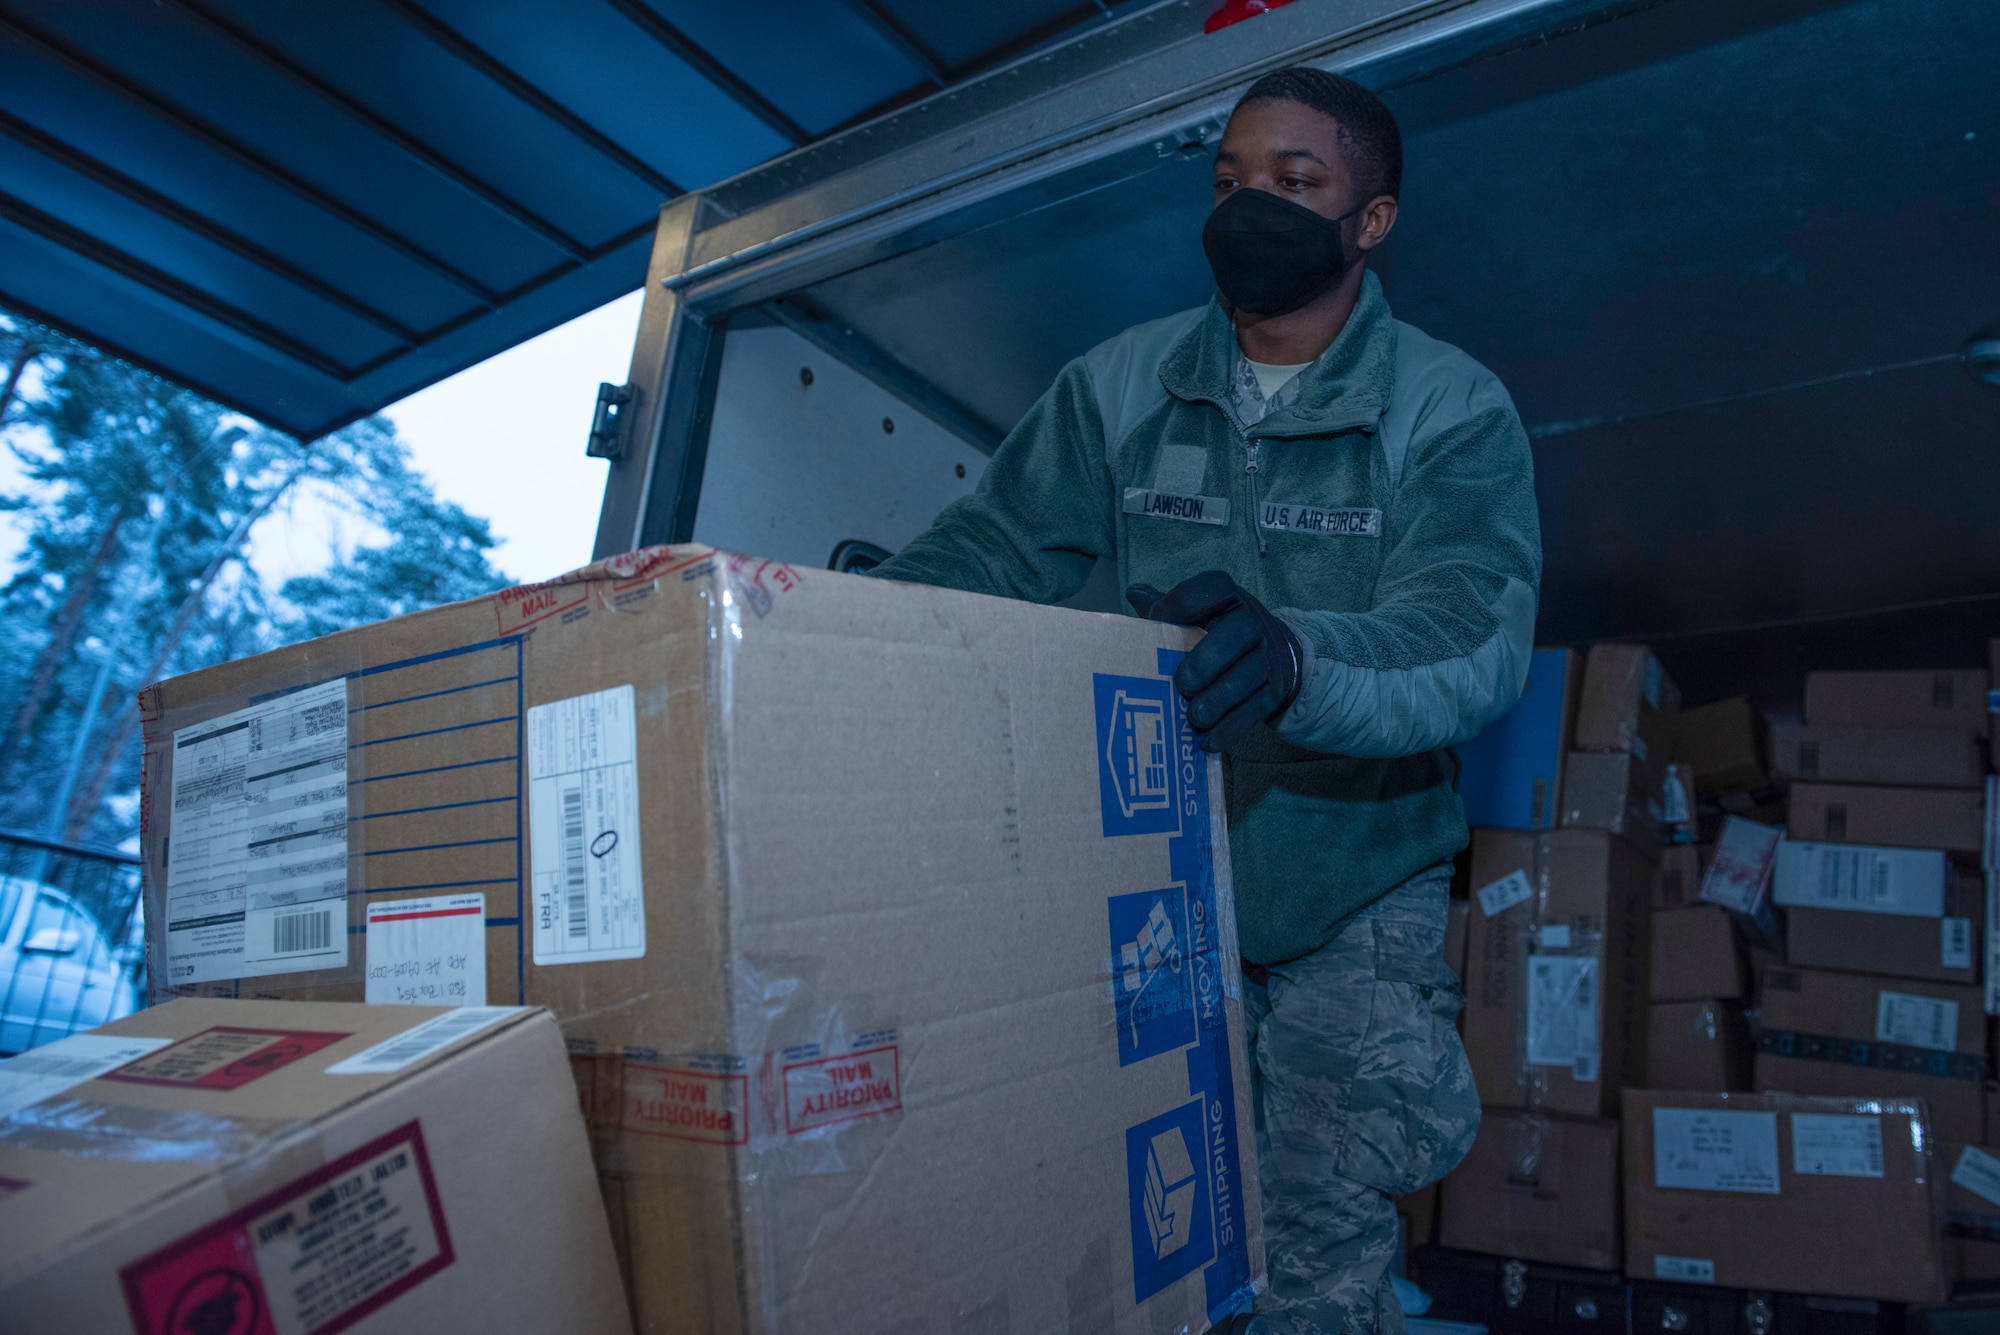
[427, 952]
[1709, 1149]
[1320, 521]
[1686, 1269]
[1562, 1013]
[1172, 505]
[583, 815]
[1836, 1145]
[415, 1044]
[1860, 879]
[257, 848]
[49, 1070]
[1955, 945]
[1979, 1173]
[1555, 936]
[1921, 1022]
[1505, 893]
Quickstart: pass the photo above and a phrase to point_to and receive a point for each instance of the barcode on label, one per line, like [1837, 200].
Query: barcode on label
[431, 1036]
[574, 886]
[302, 933]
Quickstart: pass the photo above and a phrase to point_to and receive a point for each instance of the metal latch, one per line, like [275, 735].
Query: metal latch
[607, 424]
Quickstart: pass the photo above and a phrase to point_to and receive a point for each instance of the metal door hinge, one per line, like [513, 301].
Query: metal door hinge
[607, 424]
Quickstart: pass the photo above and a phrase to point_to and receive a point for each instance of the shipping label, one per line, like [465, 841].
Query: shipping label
[1836, 1145]
[1176, 505]
[421, 1041]
[427, 952]
[1562, 1013]
[225, 1057]
[1979, 1173]
[1707, 1149]
[1861, 880]
[708, 1107]
[583, 818]
[1170, 956]
[1505, 893]
[257, 853]
[54, 1067]
[1921, 1022]
[313, 1257]
[831, 1090]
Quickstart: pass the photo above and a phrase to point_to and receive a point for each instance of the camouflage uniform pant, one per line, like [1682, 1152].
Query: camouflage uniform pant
[1363, 1093]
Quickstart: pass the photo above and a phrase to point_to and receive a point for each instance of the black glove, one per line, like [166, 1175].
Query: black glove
[1247, 668]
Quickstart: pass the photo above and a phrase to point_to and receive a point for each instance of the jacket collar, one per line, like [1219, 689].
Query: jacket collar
[1347, 387]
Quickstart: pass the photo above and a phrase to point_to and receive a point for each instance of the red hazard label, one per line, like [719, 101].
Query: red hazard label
[840, 1089]
[224, 1057]
[311, 1258]
[685, 1105]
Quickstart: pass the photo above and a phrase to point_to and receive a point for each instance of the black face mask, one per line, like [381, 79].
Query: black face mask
[1271, 256]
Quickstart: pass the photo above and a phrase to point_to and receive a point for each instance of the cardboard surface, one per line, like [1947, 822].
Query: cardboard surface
[1949, 818]
[1627, 703]
[1720, 743]
[1941, 701]
[1698, 1045]
[889, 927]
[1677, 881]
[1873, 755]
[1537, 1188]
[1615, 791]
[1946, 949]
[1697, 955]
[1577, 898]
[1510, 775]
[1753, 1191]
[233, 1178]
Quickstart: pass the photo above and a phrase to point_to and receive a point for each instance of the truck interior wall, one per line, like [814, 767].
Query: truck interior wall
[1724, 261]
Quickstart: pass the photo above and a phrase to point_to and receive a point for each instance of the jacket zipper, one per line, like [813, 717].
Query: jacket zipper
[1250, 471]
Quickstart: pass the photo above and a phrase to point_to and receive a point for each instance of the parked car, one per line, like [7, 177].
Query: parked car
[58, 973]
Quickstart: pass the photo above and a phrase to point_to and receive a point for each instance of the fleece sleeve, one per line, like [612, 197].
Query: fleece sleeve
[1444, 650]
[1039, 518]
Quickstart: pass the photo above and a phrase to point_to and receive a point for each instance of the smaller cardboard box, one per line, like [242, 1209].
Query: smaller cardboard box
[1677, 880]
[1697, 1045]
[1555, 969]
[1945, 948]
[1877, 755]
[1719, 742]
[1510, 775]
[1952, 700]
[1627, 704]
[1537, 1188]
[304, 1167]
[1802, 1195]
[1857, 1035]
[1698, 955]
[1850, 813]
[1615, 791]
[1972, 1210]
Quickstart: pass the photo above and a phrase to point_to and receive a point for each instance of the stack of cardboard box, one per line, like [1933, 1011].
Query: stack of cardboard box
[1773, 1085]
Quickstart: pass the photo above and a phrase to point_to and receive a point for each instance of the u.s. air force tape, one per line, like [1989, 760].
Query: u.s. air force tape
[1320, 521]
[1174, 505]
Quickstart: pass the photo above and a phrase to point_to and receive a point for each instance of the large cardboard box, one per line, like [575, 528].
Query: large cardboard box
[1627, 704]
[1952, 700]
[1698, 955]
[1848, 813]
[1615, 791]
[1537, 1188]
[1556, 958]
[1946, 948]
[260, 1166]
[1697, 1045]
[1720, 743]
[1510, 775]
[1805, 1195]
[1852, 1034]
[890, 927]
[1873, 755]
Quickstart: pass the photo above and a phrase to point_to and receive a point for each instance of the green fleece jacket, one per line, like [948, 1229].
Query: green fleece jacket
[1385, 509]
